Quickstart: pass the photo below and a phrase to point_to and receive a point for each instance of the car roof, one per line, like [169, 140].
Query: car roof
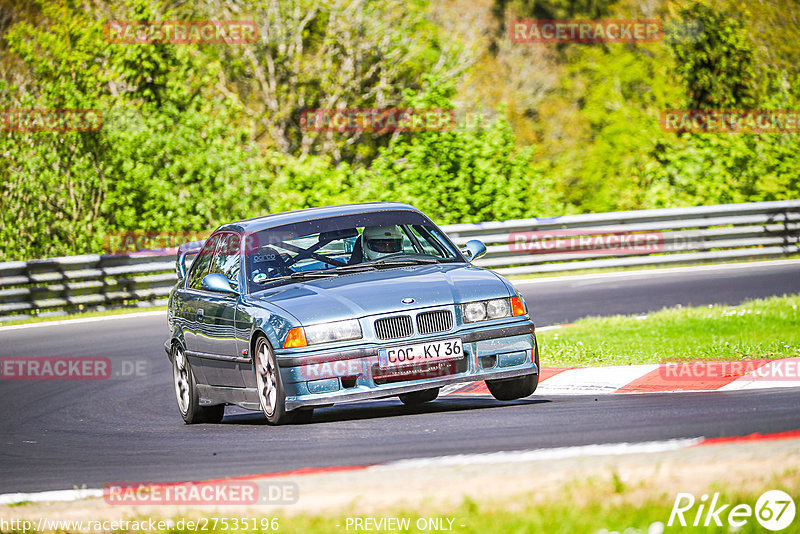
[264, 222]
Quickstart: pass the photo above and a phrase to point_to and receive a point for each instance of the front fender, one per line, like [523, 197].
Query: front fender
[267, 319]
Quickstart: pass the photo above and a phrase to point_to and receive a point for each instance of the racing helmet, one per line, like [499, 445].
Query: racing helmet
[379, 241]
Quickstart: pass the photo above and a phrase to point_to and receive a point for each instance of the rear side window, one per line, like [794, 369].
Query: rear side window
[202, 262]
[226, 259]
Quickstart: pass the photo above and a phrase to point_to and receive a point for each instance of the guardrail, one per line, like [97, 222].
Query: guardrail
[657, 237]
[59, 286]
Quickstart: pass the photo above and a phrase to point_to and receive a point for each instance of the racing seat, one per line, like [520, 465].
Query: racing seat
[269, 261]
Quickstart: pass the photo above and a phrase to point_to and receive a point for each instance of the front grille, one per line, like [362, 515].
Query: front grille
[434, 321]
[394, 327]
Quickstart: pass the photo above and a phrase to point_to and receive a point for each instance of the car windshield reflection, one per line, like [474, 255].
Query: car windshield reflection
[345, 250]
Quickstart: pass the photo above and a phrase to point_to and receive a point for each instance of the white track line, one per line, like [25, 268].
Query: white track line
[649, 272]
[607, 449]
[549, 327]
[50, 496]
[84, 320]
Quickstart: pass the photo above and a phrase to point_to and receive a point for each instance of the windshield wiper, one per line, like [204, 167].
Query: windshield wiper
[355, 268]
[395, 262]
[317, 273]
[299, 275]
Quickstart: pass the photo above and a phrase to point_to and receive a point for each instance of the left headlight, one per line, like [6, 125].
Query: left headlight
[485, 310]
[323, 333]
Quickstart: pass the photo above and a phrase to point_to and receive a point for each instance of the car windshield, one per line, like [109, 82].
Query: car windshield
[346, 244]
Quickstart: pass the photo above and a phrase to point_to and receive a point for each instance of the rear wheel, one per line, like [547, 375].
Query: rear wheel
[270, 388]
[186, 392]
[419, 397]
[513, 388]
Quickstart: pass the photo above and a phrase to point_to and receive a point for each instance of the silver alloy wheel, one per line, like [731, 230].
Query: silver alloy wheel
[180, 375]
[266, 379]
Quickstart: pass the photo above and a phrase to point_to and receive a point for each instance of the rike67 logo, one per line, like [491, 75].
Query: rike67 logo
[774, 510]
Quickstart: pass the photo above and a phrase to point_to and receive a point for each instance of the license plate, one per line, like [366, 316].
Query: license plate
[448, 349]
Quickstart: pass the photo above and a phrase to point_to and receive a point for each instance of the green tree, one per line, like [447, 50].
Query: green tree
[167, 157]
[717, 65]
[332, 54]
[718, 70]
[470, 174]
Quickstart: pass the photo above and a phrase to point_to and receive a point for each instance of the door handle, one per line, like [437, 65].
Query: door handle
[200, 314]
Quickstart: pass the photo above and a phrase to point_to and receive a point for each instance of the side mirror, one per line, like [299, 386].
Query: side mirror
[217, 282]
[473, 250]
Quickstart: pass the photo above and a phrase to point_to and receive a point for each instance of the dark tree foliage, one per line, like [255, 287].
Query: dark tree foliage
[717, 66]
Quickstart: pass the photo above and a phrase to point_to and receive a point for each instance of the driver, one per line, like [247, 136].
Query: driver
[380, 241]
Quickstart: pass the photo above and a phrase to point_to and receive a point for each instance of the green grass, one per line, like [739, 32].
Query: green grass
[757, 329]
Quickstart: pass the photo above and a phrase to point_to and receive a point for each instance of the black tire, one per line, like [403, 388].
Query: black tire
[513, 388]
[186, 392]
[419, 397]
[271, 395]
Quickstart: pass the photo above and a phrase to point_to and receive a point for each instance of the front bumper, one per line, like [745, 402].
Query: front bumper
[490, 353]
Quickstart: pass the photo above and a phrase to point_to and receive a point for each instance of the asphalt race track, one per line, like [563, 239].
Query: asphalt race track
[62, 434]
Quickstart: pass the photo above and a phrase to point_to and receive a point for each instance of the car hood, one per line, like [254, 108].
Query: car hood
[376, 292]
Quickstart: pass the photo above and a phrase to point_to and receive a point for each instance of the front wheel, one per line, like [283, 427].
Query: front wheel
[186, 392]
[270, 388]
[513, 388]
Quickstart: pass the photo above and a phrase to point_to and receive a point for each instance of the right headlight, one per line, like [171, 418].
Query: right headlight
[497, 308]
